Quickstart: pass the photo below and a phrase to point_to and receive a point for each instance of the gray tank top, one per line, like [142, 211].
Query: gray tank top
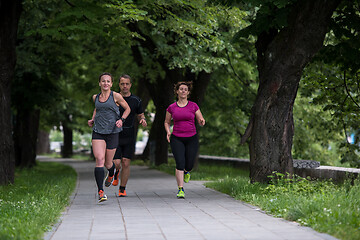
[107, 113]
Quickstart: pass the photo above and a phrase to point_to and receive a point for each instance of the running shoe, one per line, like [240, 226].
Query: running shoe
[116, 179]
[187, 177]
[122, 194]
[102, 196]
[108, 181]
[181, 193]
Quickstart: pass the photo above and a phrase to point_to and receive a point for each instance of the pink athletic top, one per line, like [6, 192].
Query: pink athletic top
[184, 119]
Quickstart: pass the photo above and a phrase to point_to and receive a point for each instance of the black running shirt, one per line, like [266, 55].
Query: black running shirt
[135, 105]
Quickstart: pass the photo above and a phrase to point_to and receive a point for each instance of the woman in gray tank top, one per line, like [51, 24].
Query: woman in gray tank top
[107, 123]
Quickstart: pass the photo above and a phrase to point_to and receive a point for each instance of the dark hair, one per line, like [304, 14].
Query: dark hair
[177, 86]
[106, 73]
[125, 76]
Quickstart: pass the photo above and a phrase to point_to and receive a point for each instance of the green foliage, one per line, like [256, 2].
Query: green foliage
[55, 136]
[334, 74]
[283, 183]
[342, 44]
[231, 93]
[104, 19]
[225, 123]
[35, 201]
[337, 97]
[38, 61]
[265, 15]
[316, 135]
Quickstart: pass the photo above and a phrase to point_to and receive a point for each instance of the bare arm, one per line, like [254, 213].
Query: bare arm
[91, 121]
[142, 119]
[167, 123]
[199, 117]
[121, 101]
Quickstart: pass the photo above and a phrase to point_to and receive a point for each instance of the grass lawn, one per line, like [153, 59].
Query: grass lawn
[321, 205]
[35, 201]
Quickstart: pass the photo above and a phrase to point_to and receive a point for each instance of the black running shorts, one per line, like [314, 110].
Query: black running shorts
[111, 139]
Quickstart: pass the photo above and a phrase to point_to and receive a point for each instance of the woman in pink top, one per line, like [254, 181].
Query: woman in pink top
[183, 140]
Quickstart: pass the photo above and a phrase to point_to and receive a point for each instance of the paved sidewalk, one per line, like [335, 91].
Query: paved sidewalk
[152, 211]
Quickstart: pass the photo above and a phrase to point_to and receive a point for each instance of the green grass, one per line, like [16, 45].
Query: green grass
[208, 172]
[31, 205]
[321, 205]
[77, 156]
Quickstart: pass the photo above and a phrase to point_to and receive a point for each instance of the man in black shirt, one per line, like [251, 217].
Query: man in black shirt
[127, 138]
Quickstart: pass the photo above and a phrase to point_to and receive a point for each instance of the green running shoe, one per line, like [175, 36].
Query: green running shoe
[187, 177]
[181, 193]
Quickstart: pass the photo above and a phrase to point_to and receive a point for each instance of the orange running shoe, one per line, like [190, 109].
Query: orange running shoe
[122, 194]
[102, 196]
[116, 180]
[108, 181]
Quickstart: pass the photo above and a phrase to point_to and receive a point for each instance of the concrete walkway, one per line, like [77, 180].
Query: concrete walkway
[152, 211]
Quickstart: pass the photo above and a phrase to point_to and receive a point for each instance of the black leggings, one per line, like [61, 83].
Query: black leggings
[184, 150]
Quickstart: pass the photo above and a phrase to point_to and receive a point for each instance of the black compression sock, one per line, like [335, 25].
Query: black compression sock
[99, 177]
[111, 170]
[122, 189]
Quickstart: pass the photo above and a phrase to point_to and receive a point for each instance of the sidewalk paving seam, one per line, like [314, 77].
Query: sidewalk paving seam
[122, 217]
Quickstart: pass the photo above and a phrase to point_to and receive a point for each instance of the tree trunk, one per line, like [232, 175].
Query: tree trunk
[282, 56]
[67, 148]
[25, 137]
[43, 142]
[162, 94]
[9, 17]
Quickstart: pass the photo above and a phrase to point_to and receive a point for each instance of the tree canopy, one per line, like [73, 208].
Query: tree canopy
[249, 60]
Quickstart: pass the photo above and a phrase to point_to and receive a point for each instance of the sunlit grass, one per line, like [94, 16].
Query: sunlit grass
[31, 205]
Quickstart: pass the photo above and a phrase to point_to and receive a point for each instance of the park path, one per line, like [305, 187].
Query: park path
[152, 211]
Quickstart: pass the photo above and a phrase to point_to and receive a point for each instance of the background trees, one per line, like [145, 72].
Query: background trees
[244, 61]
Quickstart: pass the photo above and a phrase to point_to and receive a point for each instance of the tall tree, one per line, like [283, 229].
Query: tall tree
[9, 17]
[180, 43]
[289, 34]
